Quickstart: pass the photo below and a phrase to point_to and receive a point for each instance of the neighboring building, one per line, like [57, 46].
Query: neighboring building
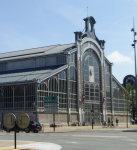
[67, 71]
[129, 79]
[132, 80]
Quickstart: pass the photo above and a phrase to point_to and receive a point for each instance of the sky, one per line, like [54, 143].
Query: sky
[26, 24]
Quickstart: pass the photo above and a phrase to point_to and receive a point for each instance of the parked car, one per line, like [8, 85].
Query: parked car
[132, 121]
[33, 126]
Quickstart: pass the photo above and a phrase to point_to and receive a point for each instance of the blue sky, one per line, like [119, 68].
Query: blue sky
[26, 24]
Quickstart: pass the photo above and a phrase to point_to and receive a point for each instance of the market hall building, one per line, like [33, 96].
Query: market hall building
[71, 72]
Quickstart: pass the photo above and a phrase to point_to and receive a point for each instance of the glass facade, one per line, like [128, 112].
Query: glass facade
[118, 102]
[20, 97]
[91, 73]
[108, 87]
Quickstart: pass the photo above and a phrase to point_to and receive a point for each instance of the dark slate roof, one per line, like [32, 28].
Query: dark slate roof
[41, 51]
[30, 76]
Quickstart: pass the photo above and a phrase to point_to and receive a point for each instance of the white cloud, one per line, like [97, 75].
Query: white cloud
[116, 57]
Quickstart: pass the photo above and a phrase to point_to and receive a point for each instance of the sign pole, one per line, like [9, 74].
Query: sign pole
[54, 121]
[15, 136]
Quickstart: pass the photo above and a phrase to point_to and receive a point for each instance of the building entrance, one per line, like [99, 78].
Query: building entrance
[88, 113]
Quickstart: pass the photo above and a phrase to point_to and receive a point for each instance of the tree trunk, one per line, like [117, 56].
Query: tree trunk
[127, 115]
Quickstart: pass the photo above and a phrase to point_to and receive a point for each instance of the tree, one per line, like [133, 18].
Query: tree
[128, 95]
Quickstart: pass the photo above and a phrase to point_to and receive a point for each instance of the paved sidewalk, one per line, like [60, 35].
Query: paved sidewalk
[83, 128]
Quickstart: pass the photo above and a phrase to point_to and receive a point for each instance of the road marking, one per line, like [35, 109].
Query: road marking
[131, 140]
[128, 140]
[133, 144]
[71, 142]
[42, 146]
[100, 136]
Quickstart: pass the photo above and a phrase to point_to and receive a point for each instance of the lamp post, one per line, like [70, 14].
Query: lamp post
[134, 46]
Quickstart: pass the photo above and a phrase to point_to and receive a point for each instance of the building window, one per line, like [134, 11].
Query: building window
[30, 103]
[19, 98]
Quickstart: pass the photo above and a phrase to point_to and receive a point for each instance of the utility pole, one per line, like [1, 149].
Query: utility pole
[134, 46]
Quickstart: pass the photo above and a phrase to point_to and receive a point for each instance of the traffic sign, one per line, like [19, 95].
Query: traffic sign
[23, 120]
[51, 105]
[9, 120]
[51, 98]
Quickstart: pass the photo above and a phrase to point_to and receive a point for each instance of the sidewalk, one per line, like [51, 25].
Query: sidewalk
[83, 128]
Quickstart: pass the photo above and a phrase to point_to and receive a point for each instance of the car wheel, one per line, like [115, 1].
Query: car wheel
[7, 130]
[27, 130]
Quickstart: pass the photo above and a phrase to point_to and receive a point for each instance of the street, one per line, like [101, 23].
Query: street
[114, 139]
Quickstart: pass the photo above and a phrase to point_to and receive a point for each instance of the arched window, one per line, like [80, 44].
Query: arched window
[91, 70]
[8, 98]
[62, 75]
[53, 84]
[91, 92]
[30, 103]
[63, 105]
[97, 93]
[19, 98]
[43, 92]
[87, 91]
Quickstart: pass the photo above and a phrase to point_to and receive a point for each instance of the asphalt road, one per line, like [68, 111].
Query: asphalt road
[84, 140]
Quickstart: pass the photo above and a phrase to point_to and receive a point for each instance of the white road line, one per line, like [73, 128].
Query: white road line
[127, 140]
[131, 140]
[71, 142]
[42, 146]
[100, 136]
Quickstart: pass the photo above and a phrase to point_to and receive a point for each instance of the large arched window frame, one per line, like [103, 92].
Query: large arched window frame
[73, 88]
[19, 97]
[8, 98]
[30, 97]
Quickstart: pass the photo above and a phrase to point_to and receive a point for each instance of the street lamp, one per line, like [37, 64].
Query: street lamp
[134, 46]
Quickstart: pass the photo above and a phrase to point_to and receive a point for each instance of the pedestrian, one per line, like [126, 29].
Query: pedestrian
[116, 122]
[108, 121]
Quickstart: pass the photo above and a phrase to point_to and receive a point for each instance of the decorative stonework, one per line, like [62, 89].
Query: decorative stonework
[91, 45]
[103, 81]
[80, 82]
[84, 46]
[46, 82]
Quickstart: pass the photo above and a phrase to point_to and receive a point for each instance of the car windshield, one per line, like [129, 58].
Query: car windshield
[36, 122]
